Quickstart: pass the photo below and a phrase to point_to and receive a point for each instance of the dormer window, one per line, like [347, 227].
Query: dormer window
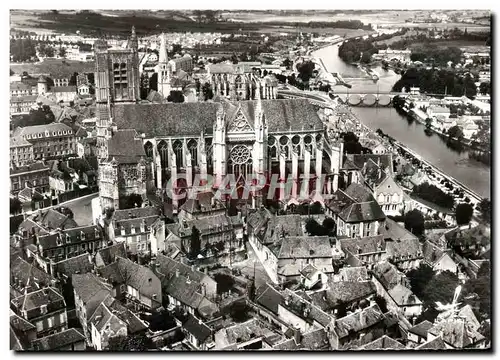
[82, 235]
[59, 133]
[43, 309]
[68, 239]
[59, 240]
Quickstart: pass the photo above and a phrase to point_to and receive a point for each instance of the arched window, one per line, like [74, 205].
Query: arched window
[148, 149]
[193, 150]
[163, 151]
[177, 146]
[240, 161]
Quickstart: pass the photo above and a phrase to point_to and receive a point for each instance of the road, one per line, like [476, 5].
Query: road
[247, 268]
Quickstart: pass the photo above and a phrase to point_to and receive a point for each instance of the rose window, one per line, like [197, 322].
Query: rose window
[240, 154]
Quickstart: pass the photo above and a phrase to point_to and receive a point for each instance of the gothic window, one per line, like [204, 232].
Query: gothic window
[240, 124]
[177, 146]
[193, 150]
[208, 150]
[148, 149]
[240, 161]
[163, 150]
[318, 138]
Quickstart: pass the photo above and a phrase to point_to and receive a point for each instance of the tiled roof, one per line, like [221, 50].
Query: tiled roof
[385, 160]
[63, 89]
[432, 253]
[268, 297]
[125, 146]
[18, 141]
[384, 342]
[136, 224]
[137, 276]
[18, 85]
[168, 266]
[392, 230]
[53, 219]
[478, 235]
[76, 265]
[35, 299]
[305, 247]
[111, 307]
[136, 213]
[108, 254]
[185, 290]
[111, 274]
[297, 305]
[42, 129]
[19, 324]
[356, 204]
[356, 273]
[243, 332]
[388, 275]
[25, 272]
[71, 236]
[359, 321]
[38, 166]
[342, 292]
[403, 296]
[434, 344]
[404, 249]
[193, 118]
[364, 245]
[58, 340]
[308, 271]
[197, 328]
[90, 290]
[421, 329]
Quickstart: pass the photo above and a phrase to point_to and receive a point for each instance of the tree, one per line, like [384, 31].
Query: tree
[441, 288]
[428, 123]
[15, 206]
[195, 246]
[455, 132]
[62, 52]
[414, 221]
[175, 96]
[287, 63]
[381, 302]
[366, 57]
[463, 213]
[313, 228]
[207, 91]
[484, 208]
[131, 201]
[139, 342]
[480, 286]
[485, 88]
[305, 70]
[330, 225]
[420, 278]
[176, 49]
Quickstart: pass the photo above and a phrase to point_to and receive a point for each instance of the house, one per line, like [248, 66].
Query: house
[188, 294]
[466, 313]
[249, 335]
[21, 151]
[359, 328]
[469, 242]
[83, 89]
[32, 200]
[301, 314]
[364, 250]
[351, 274]
[34, 175]
[311, 277]
[394, 287]
[45, 309]
[383, 343]
[436, 343]
[438, 110]
[68, 340]
[348, 295]
[406, 254]
[139, 284]
[112, 319]
[89, 292]
[65, 244]
[418, 333]
[316, 339]
[197, 333]
[440, 260]
[457, 333]
[166, 266]
[22, 332]
[27, 277]
[64, 94]
[355, 211]
[107, 255]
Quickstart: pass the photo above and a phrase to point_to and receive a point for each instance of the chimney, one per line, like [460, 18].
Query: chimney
[362, 321]
[193, 268]
[176, 272]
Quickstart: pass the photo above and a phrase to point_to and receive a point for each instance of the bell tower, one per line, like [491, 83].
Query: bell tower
[164, 76]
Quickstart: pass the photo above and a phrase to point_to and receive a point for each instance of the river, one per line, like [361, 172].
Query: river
[433, 148]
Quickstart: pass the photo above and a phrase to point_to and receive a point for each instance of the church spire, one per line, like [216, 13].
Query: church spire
[163, 58]
[133, 43]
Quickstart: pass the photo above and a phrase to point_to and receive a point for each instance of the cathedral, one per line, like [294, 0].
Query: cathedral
[143, 145]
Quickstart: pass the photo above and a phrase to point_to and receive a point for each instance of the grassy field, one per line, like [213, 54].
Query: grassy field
[55, 67]
[462, 44]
